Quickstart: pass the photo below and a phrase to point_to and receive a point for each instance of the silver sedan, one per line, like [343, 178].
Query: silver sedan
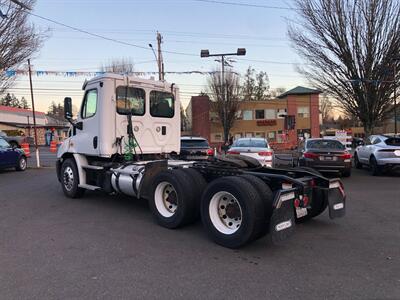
[380, 152]
[257, 148]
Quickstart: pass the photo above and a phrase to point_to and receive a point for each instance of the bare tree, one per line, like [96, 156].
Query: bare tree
[277, 91]
[225, 98]
[350, 46]
[326, 107]
[119, 65]
[19, 39]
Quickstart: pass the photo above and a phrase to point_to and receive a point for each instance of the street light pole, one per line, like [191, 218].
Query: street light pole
[206, 53]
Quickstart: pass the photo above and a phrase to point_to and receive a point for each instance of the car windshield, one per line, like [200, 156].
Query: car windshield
[250, 143]
[394, 141]
[194, 144]
[325, 144]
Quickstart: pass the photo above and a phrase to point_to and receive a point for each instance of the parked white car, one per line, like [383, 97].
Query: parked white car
[257, 148]
[380, 153]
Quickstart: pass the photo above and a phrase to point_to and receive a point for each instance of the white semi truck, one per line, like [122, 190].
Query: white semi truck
[125, 140]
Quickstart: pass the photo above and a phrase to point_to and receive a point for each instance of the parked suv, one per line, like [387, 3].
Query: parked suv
[379, 153]
[195, 148]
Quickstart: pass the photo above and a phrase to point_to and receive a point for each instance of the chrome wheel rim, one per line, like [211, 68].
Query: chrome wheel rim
[22, 163]
[225, 212]
[68, 178]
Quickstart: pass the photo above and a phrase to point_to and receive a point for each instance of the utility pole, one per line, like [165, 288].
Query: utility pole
[34, 116]
[160, 58]
[395, 99]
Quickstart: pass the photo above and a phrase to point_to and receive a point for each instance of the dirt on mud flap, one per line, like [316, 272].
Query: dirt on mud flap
[336, 200]
[282, 224]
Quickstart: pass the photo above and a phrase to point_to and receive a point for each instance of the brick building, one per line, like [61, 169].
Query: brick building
[261, 118]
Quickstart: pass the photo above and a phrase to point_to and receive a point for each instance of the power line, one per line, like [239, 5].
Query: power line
[245, 4]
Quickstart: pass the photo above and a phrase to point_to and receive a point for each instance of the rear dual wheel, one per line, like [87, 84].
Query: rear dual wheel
[232, 212]
[175, 199]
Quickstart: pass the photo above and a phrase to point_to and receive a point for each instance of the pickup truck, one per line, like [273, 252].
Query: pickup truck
[14, 141]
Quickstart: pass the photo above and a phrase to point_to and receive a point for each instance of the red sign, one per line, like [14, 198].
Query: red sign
[266, 123]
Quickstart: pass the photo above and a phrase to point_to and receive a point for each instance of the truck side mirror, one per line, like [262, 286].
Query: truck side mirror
[68, 108]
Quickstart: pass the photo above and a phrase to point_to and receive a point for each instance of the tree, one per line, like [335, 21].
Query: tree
[255, 85]
[19, 40]
[349, 47]
[6, 100]
[56, 111]
[24, 104]
[225, 97]
[325, 107]
[119, 65]
[276, 92]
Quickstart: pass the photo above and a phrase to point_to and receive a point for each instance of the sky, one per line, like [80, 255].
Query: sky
[187, 26]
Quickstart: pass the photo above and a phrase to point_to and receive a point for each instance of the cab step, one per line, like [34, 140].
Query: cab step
[92, 167]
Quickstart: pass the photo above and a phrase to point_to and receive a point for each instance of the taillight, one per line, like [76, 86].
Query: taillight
[305, 201]
[265, 153]
[233, 152]
[296, 203]
[210, 152]
[310, 155]
[346, 156]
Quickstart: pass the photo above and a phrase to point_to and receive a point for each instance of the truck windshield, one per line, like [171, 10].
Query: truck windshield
[130, 100]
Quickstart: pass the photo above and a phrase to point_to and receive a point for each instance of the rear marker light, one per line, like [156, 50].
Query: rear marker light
[305, 201]
[310, 155]
[210, 152]
[265, 153]
[296, 203]
[233, 152]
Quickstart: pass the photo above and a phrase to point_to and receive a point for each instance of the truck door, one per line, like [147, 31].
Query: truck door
[86, 139]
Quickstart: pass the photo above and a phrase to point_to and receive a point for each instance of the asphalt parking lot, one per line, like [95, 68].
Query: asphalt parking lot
[108, 247]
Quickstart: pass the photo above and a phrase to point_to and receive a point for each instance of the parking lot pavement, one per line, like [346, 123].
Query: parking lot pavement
[101, 246]
[46, 158]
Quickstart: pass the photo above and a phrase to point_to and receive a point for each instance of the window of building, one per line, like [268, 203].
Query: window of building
[247, 115]
[89, 105]
[249, 134]
[259, 134]
[281, 113]
[130, 100]
[303, 112]
[270, 114]
[238, 136]
[162, 104]
[260, 114]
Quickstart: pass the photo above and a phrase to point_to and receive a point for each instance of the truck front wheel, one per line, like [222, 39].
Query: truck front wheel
[172, 202]
[70, 179]
[232, 212]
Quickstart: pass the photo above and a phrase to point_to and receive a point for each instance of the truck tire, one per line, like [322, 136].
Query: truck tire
[70, 179]
[22, 164]
[172, 200]
[267, 197]
[198, 185]
[232, 211]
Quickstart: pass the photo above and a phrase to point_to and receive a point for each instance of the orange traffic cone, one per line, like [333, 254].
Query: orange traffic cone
[53, 146]
[25, 147]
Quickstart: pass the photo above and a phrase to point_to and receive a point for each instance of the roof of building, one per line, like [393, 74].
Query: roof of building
[299, 90]
[9, 109]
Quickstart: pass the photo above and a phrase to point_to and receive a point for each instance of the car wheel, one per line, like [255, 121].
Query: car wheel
[376, 170]
[357, 163]
[22, 164]
[70, 179]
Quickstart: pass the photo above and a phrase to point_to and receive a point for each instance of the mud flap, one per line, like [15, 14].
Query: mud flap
[282, 223]
[336, 201]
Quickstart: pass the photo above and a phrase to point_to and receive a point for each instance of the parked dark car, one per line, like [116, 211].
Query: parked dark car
[11, 157]
[325, 156]
[195, 148]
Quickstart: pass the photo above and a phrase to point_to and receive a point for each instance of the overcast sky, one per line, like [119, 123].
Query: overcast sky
[187, 27]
